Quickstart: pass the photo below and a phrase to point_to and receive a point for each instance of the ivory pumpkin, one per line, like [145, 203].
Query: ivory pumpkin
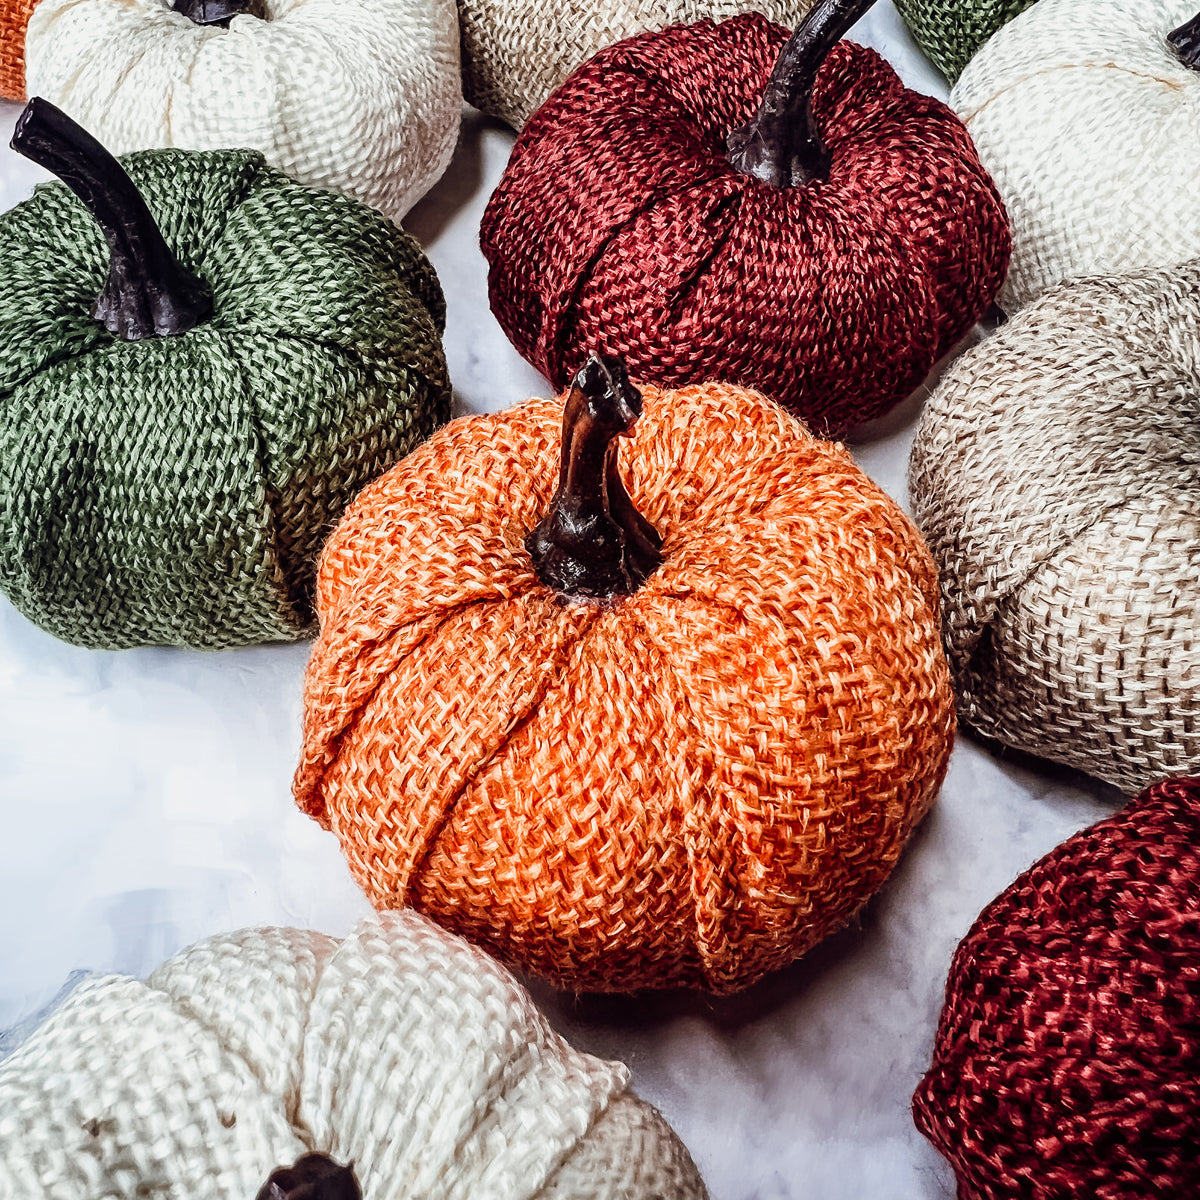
[951, 31]
[14, 17]
[826, 255]
[1087, 114]
[1066, 1060]
[1056, 474]
[400, 1049]
[173, 453]
[516, 52]
[363, 96]
[669, 736]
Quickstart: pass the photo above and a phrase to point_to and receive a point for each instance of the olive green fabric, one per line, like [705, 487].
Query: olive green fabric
[177, 490]
[950, 31]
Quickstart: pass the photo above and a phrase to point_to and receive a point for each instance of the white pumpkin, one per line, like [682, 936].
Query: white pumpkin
[1090, 125]
[401, 1049]
[363, 96]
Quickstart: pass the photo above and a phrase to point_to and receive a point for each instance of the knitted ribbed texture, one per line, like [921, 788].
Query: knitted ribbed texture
[691, 785]
[620, 226]
[363, 96]
[1056, 474]
[516, 52]
[1090, 125]
[14, 16]
[177, 489]
[1067, 1061]
[951, 31]
[401, 1049]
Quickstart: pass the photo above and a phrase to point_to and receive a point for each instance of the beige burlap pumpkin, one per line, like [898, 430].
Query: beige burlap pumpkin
[1056, 476]
[516, 52]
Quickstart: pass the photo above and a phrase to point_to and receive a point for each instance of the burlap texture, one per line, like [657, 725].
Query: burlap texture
[1090, 126]
[401, 1049]
[690, 786]
[516, 52]
[177, 489]
[951, 31]
[1056, 475]
[14, 16]
[1067, 1063]
[363, 96]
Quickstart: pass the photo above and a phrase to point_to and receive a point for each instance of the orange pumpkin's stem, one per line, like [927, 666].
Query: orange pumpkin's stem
[1185, 41]
[594, 544]
[780, 144]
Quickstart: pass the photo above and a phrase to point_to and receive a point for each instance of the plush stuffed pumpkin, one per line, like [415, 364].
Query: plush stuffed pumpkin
[673, 735]
[400, 1050]
[516, 52]
[951, 31]
[1056, 474]
[14, 17]
[173, 453]
[1067, 1061]
[1087, 114]
[825, 253]
[363, 96]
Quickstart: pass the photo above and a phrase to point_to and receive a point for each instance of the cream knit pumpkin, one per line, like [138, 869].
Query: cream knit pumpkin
[363, 96]
[516, 52]
[1056, 476]
[401, 1049]
[1090, 126]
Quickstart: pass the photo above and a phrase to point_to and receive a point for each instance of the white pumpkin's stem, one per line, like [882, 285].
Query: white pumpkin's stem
[780, 145]
[311, 1177]
[1185, 41]
[594, 544]
[220, 12]
[148, 291]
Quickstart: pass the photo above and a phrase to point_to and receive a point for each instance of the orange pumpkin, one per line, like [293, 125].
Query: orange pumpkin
[688, 756]
[14, 16]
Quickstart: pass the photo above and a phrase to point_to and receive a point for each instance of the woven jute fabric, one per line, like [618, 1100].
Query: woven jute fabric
[400, 1049]
[1067, 1060]
[363, 96]
[1056, 474]
[688, 786]
[516, 52]
[14, 16]
[951, 31]
[177, 489]
[619, 226]
[1090, 125]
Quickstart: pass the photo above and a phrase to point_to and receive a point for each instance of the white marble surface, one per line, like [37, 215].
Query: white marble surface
[145, 803]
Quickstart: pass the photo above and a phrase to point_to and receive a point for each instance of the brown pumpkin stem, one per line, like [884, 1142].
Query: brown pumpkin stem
[220, 12]
[780, 145]
[311, 1177]
[594, 544]
[1185, 41]
[148, 290]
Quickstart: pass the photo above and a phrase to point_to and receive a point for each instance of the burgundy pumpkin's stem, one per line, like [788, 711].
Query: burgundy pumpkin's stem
[1185, 41]
[220, 12]
[148, 290]
[594, 544]
[780, 145]
[312, 1177]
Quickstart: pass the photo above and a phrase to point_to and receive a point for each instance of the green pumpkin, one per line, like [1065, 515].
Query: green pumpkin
[177, 489]
[951, 31]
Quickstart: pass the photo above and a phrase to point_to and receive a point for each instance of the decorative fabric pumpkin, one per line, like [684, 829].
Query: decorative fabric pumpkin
[621, 226]
[401, 1049]
[169, 469]
[1067, 1062]
[626, 747]
[1087, 113]
[951, 31]
[516, 52]
[14, 16]
[363, 96]
[1056, 474]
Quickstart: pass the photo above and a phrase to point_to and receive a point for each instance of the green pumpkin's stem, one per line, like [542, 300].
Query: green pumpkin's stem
[148, 290]
[1185, 41]
[780, 145]
[594, 544]
[220, 12]
[311, 1177]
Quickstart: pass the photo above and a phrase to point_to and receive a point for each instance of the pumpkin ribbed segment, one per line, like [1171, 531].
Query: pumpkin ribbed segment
[690, 786]
[14, 17]
[951, 31]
